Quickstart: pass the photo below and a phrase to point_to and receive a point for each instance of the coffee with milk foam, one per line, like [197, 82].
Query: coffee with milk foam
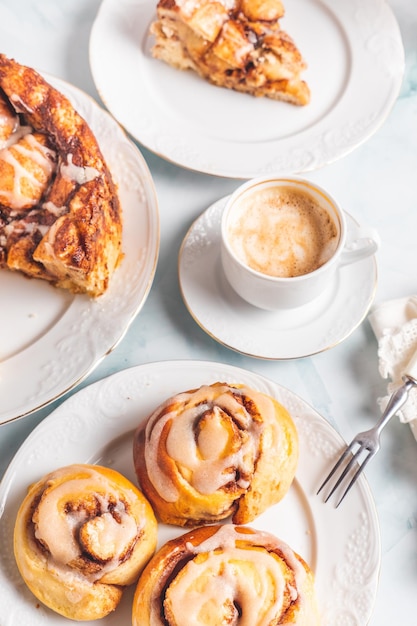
[281, 231]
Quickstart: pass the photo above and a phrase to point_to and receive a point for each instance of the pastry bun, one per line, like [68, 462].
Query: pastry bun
[82, 534]
[225, 574]
[218, 451]
[60, 215]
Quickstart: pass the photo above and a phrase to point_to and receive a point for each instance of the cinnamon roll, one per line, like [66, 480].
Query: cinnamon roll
[218, 451]
[225, 574]
[82, 534]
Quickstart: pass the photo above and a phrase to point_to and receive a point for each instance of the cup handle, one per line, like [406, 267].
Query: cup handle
[365, 242]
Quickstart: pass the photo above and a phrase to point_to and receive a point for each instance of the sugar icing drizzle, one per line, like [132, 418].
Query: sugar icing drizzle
[235, 578]
[202, 426]
[77, 173]
[32, 165]
[85, 514]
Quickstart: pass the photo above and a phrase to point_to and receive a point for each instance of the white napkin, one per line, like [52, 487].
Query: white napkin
[395, 326]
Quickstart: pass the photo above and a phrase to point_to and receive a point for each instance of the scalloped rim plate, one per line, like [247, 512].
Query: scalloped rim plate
[275, 335]
[355, 75]
[50, 340]
[96, 425]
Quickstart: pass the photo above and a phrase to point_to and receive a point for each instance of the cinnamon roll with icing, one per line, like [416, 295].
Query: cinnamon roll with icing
[226, 574]
[218, 451]
[82, 534]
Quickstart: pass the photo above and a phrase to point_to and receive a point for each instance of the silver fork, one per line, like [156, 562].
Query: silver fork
[368, 441]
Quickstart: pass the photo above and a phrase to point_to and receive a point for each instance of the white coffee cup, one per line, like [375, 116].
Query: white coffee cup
[283, 239]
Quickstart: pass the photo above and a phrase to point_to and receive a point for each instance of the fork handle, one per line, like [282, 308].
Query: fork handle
[396, 401]
[411, 369]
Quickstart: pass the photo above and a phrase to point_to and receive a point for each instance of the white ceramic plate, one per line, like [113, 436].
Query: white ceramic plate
[49, 339]
[286, 334]
[96, 425]
[355, 62]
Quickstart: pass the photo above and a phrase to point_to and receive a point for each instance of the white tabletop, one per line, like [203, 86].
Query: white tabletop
[376, 183]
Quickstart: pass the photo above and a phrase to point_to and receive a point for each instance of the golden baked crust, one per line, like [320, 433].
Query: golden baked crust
[237, 44]
[218, 451]
[225, 574]
[82, 534]
[60, 215]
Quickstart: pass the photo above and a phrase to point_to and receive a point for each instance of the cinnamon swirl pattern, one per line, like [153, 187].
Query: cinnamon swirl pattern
[225, 574]
[218, 451]
[82, 534]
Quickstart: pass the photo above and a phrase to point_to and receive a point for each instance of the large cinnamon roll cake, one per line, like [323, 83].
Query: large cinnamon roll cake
[218, 451]
[60, 215]
[82, 534]
[237, 44]
[226, 574]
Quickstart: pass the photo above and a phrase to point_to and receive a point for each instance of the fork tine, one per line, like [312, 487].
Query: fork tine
[336, 466]
[356, 476]
[346, 470]
[369, 440]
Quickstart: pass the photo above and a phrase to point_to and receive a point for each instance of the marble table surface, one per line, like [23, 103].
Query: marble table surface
[376, 181]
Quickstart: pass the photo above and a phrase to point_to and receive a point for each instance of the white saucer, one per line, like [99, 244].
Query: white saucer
[286, 334]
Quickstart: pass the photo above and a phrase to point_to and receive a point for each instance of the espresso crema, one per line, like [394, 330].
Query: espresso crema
[282, 231]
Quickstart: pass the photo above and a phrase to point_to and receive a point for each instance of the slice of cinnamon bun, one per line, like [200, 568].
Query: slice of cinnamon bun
[237, 44]
[60, 215]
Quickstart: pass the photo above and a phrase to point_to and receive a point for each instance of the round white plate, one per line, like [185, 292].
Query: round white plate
[286, 334]
[355, 62]
[50, 340]
[96, 425]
